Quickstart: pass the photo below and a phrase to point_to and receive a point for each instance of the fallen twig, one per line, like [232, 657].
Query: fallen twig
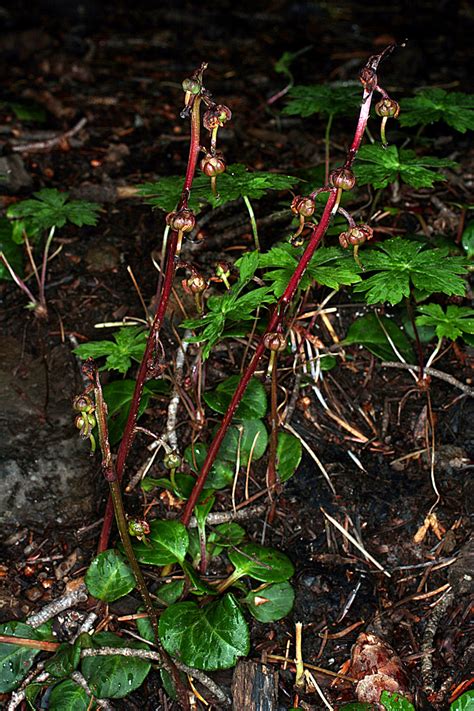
[50, 142]
[433, 372]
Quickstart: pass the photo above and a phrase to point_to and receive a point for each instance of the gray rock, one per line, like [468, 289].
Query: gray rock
[46, 474]
[13, 174]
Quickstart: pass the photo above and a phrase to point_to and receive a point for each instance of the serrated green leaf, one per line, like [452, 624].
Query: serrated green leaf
[109, 576]
[69, 696]
[261, 563]
[464, 703]
[167, 543]
[381, 166]
[369, 331]
[288, 455]
[112, 676]
[326, 99]
[272, 602]
[400, 263]
[129, 345]
[454, 323]
[252, 406]
[51, 208]
[433, 104]
[210, 637]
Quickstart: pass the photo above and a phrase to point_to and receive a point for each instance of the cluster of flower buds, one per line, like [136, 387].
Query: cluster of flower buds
[85, 421]
[138, 528]
[303, 207]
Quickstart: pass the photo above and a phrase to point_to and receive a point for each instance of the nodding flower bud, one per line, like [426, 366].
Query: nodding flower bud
[342, 178]
[85, 423]
[212, 165]
[355, 236]
[387, 108]
[82, 403]
[192, 85]
[172, 460]
[222, 270]
[275, 341]
[303, 206]
[196, 284]
[181, 221]
[216, 117]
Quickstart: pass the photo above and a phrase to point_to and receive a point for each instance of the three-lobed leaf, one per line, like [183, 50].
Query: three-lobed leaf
[400, 263]
[210, 637]
[381, 166]
[327, 99]
[433, 104]
[51, 208]
[451, 324]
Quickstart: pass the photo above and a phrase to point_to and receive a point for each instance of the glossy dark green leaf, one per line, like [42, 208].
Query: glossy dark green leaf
[198, 586]
[272, 602]
[467, 240]
[249, 438]
[223, 536]
[368, 331]
[261, 563]
[118, 396]
[16, 660]
[288, 455]
[210, 637]
[464, 703]
[167, 543]
[113, 676]
[12, 251]
[395, 702]
[253, 405]
[109, 576]
[64, 662]
[69, 696]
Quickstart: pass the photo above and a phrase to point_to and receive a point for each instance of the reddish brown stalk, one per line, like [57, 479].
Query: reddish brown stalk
[272, 476]
[368, 78]
[148, 361]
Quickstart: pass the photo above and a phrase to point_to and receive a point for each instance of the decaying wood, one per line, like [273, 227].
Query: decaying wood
[254, 687]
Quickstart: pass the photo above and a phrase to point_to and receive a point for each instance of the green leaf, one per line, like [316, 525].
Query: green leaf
[356, 706]
[167, 543]
[109, 576]
[395, 702]
[118, 396]
[452, 324]
[236, 182]
[272, 602]
[464, 703]
[222, 472]
[467, 240]
[249, 437]
[10, 249]
[288, 455]
[69, 696]
[330, 266]
[130, 342]
[367, 331]
[326, 99]
[399, 263]
[381, 166]
[50, 208]
[261, 563]
[223, 536]
[253, 405]
[433, 104]
[210, 637]
[113, 676]
[197, 585]
[64, 661]
[16, 660]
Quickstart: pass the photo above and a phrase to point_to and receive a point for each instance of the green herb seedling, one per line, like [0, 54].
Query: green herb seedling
[129, 345]
[455, 322]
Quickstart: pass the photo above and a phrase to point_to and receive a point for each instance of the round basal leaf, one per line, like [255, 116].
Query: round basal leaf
[395, 702]
[265, 564]
[248, 437]
[221, 473]
[272, 603]
[369, 331]
[464, 703]
[253, 405]
[114, 676]
[109, 576]
[167, 543]
[15, 660]
[69, 696]
[209, 637]
[288, 455]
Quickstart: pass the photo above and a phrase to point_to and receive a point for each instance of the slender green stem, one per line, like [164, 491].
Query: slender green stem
[434, 354]
[44, 265]
[327, 148]
[253, 222]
